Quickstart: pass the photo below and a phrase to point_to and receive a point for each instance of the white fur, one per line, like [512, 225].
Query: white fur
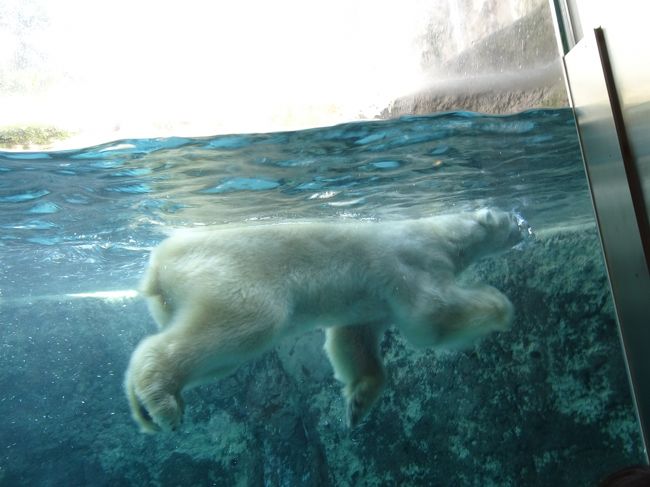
[223, 296]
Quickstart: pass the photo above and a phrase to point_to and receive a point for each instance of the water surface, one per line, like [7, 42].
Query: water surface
[82, 220]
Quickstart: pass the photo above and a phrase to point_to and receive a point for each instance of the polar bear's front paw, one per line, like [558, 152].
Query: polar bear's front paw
[499, 311]
[360, 397]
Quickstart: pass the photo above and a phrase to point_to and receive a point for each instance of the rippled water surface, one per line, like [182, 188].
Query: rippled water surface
[84, 220]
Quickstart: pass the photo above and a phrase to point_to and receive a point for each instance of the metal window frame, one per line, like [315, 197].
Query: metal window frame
[616, 188]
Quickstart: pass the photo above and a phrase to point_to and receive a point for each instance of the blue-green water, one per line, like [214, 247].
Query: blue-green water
[546, 403]
[84, 220]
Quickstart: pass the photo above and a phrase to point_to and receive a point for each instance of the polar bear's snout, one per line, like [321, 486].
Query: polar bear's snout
[523, 227]
[517, 229]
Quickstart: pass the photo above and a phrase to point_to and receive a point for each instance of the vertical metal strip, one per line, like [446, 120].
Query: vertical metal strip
[612, 174]
[631, 172]
[562, 22]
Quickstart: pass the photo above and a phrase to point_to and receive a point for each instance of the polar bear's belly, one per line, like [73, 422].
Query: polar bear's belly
[338, 306]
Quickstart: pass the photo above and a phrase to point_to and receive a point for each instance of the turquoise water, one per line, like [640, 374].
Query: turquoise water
[546, 403]
[86, 219]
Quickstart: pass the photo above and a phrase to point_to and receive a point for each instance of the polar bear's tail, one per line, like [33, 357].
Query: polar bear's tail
[150, 287]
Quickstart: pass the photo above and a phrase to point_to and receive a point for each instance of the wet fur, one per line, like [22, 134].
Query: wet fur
[223, 296]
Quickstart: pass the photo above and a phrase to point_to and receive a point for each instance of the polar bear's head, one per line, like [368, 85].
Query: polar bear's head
[487, 231]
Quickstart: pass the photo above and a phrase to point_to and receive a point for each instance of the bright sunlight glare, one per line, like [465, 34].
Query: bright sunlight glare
[152, 68]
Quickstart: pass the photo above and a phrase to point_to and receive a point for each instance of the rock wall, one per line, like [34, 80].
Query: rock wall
[546, 403]
[512, 69]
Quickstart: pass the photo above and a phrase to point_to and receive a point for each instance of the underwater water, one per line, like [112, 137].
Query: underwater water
[546, 403]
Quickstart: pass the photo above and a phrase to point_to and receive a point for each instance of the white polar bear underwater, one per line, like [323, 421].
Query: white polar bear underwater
[223, 296]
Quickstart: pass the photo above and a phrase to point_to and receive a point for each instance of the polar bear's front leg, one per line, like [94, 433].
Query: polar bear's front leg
[353, 352]
[455, 316]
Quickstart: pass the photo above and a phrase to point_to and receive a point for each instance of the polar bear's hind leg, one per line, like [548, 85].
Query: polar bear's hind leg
[200, 344]
[153, 397]
[353, 352]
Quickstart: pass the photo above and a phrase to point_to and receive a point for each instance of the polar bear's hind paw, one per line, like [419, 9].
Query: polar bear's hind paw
[360, 398]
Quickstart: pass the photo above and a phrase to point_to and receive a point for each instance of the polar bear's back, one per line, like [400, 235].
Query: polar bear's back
[323, 269]
[271, 261]
[314, 269]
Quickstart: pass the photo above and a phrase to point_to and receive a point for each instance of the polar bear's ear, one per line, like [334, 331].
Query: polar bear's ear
[485, 216]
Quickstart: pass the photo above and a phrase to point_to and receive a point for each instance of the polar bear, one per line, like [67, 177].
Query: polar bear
[223, 296]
